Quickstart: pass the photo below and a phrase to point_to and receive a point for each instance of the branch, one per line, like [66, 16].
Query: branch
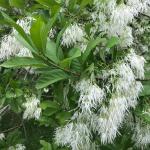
[13, 128]
[145, 15]
[148, 79]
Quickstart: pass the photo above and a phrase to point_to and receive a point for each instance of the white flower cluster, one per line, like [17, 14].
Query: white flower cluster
[25, 23]
[76, 136]
[2, 136]
[17, 147]
[73, 34]
[124, 91]
[91, 95]
[32, 109]
[141, 135]
[10, 46]
[137, 64]
[110, 119]
[114, 18]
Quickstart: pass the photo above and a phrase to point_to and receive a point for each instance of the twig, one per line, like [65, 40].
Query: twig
[145, 15]
[24, 128]
[13, 128]
[148, 79]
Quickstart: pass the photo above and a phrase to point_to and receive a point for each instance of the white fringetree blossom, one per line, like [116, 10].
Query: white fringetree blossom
[105, 94]
[122, 86]
[32, 109]
[141, 134]
[17, 147]
[10, 46]
[73, 34]
[2, 136]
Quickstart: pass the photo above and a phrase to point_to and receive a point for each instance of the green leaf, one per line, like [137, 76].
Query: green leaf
[147, 74]
[50, 111]
[17, 3]
[40, 29]
[51, 52]
[47, 3]
[51, 77]
[4, 3]
[112, 42]
[38, 33]
[25, 43]
[63, 117]
[84, 3]
[91, 45]
[18, 92]
[72, 4]
[73, 53]
[46, 145]
[10, 94]
[49, 104]
[22, 61]
[146, 90]
[55, 9]
[88, 28]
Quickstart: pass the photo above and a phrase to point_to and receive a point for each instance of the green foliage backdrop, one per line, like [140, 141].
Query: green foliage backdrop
[51, 66]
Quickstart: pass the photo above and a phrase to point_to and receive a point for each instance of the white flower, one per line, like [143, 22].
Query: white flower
[122, 15]
[46, 90]
[110, 119]
[106, 6]
[17, 147]
[126, 38]
[138, 5]
[91, 95]
[2, 136]
[141, 135]
[25, 23]
[9, 47]
[133, 93]
[72, 35]
[67, 2]
[76, 136]
[137, 63]
[24, 52]
[52, 33]
[20, 147]
[123, 79]
[32, 109]
[125, 72]
[82, 45]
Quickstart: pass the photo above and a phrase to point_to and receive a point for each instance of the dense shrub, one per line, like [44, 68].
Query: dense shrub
[73, 76]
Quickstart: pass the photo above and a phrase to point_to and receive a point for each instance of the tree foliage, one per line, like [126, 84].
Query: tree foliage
[72, 74]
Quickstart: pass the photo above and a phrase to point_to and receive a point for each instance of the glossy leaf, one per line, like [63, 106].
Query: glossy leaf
[51, 77]
[38, 34]
[22, 62]
[112, 42]
[46, 145]
[74, 53]
[17, 3]
[91, 45]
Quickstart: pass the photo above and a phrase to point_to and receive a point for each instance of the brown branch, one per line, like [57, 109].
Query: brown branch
[13, 128]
